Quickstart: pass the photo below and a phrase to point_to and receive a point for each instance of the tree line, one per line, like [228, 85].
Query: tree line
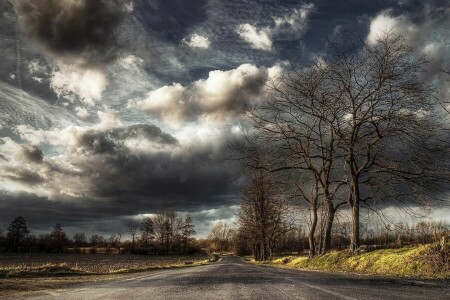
[359, 129]
[164, 233]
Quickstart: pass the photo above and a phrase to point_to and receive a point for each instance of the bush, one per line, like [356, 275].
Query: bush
[437, 258]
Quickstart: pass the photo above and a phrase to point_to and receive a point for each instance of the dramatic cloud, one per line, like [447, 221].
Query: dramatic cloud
[288, 26]
[197, 41]
[32, 153]
[71, 83]
[257, 38]
[81, 31]
[400, 25]
[221, 95]
[425, 37]
[168, 102]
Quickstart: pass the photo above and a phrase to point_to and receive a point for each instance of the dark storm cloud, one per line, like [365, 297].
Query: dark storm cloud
[84, 29]
[111, 140]
[98, 217]
[23, 176]
[32, 153]
[147, 131]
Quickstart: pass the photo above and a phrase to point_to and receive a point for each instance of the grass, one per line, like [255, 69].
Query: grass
[411, 261]
[46, 265]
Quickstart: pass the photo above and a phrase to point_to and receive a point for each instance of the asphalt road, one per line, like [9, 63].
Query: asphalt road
[231, 278]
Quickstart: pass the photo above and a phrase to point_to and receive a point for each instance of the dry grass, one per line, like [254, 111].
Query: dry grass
[411, 261]
[38, 265]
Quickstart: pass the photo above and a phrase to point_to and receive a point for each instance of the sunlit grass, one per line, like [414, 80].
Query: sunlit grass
[408, 261]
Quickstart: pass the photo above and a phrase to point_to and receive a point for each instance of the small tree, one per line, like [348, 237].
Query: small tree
[264, 215]
[221, 235]
[167, 226]
[147, 231]
[79, 239]
[17, 232]
[59, 238]
[187, 230]
[97, 240]
[132, 232]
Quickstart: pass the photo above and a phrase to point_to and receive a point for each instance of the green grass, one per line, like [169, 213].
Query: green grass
[411, 261]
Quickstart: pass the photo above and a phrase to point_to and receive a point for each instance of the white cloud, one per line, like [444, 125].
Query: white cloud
[257, 38]
[221, 96]
[400, 25]
[130, 62]
[71, 83]
[291, 25]
[82, 112]
[197, 41]
[296, 21]
[222, 90]
[167, 101]
[427, 37]
[108, 119]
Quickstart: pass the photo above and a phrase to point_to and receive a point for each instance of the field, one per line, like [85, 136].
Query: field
[411, 261]
[37, 264]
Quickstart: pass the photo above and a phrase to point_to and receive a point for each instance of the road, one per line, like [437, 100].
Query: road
[231, 278]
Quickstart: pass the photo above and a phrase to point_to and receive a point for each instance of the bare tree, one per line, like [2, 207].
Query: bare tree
[187, 230]
[147, 231]
[389, 121]
[359, 118]
[97, 240]
[17, 232]
[167, 226]
[80, 239]
[132, 232]
[264, 215]
[221, 235]
[297, 120]
[59, 238]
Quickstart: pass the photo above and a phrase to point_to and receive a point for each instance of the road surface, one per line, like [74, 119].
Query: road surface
[231, 278]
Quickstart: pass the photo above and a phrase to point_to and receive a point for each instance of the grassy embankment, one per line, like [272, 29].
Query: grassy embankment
[50, 265]
[412, 261]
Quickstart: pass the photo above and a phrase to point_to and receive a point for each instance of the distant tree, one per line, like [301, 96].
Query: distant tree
[264, 215]
[17, 232]
[59, 238]
[147, 231]
[44, 242]
[97, 240]
[113, 242]
[221, 235]
[187, 231]
[132, 232]
[167, 226]
[79, 239]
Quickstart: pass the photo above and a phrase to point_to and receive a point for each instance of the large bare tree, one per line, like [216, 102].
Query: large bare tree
[359, 118]
[388, 127]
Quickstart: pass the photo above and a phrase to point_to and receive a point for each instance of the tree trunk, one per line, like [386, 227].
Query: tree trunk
[328, 228]
[354, 241]
[312, 232]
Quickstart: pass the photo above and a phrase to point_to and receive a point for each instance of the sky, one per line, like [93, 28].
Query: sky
[111, 110]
